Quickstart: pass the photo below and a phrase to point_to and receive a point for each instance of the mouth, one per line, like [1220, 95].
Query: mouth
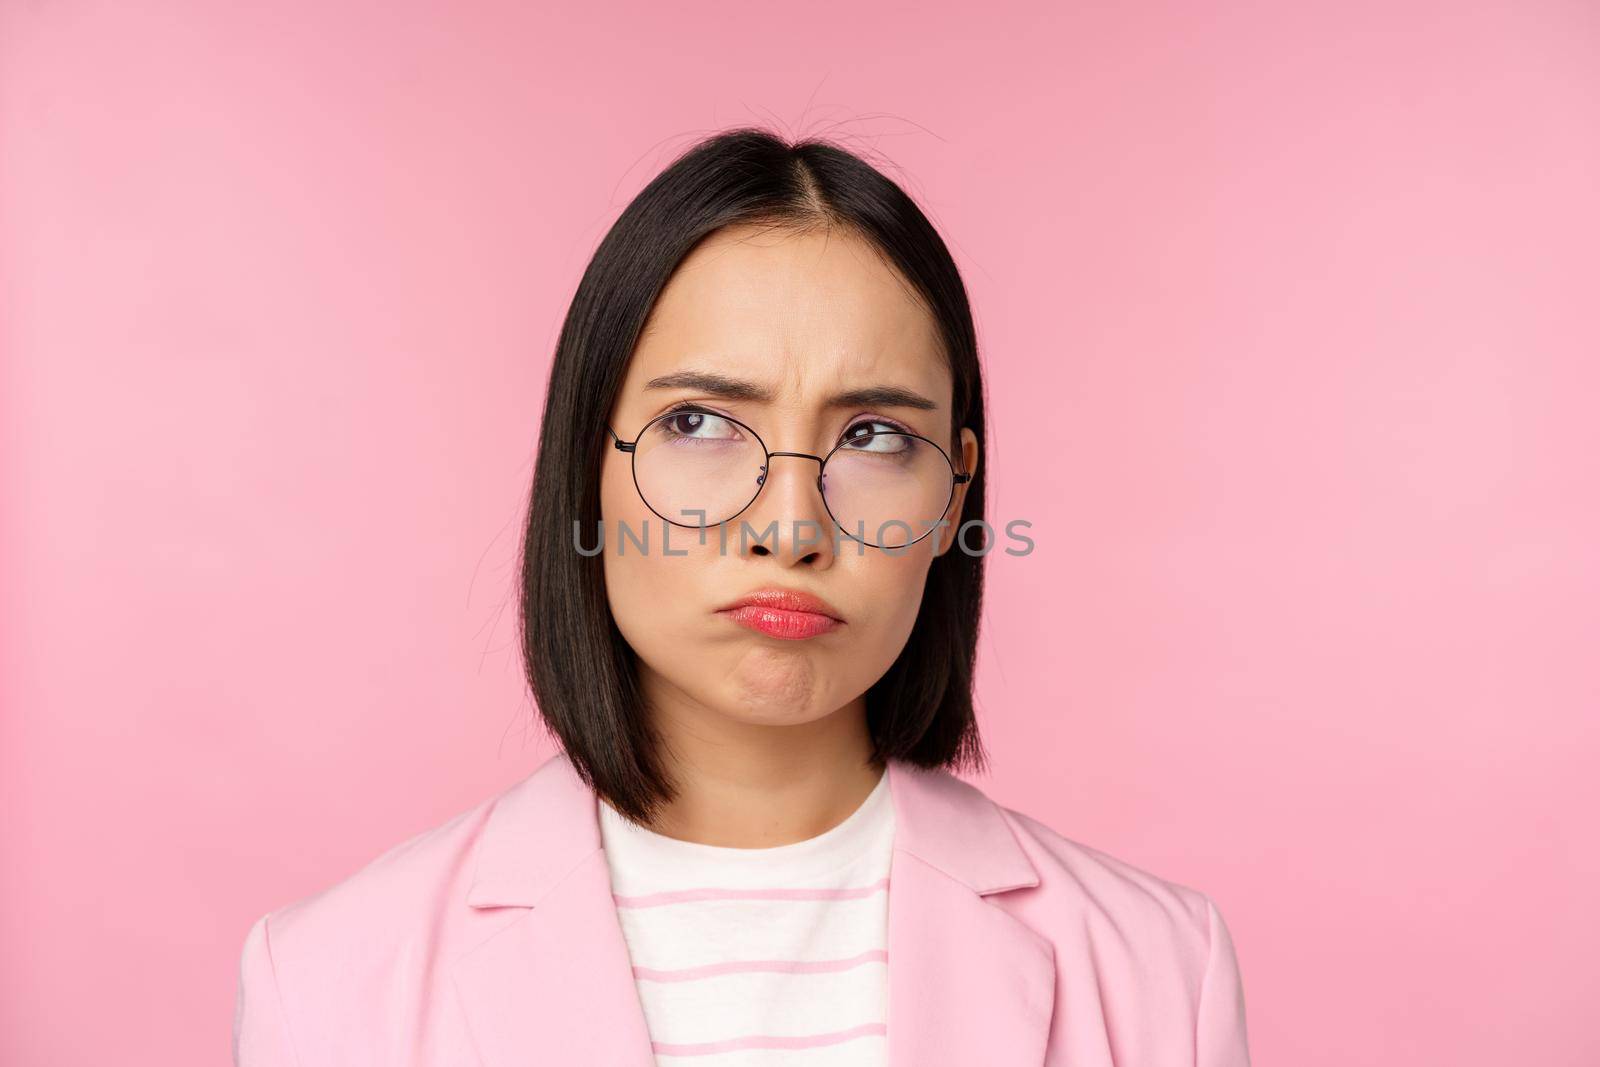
[787, 614]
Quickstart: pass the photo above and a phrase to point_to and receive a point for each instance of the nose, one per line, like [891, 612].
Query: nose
[762, 479]
[787, 519]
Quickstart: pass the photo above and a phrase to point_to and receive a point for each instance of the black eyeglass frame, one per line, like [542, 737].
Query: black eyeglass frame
[956, 477]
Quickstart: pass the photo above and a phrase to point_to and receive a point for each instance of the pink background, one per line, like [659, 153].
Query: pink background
[1289, 314]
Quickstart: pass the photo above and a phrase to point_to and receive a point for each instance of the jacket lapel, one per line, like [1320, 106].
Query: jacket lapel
[968, 982]
[555, 984]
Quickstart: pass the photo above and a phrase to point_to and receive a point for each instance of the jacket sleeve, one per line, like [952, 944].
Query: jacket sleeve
[1220, 1038]
[260, 1031]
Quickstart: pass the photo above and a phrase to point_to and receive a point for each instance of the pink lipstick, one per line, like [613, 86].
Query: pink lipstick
[783, 613]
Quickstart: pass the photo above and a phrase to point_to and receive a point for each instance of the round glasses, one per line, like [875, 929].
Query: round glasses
[884, 488]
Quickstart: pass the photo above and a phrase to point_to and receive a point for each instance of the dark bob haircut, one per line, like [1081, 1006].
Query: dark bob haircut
[579, 667]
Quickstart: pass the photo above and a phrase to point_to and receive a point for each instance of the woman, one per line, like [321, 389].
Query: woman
[750, 623]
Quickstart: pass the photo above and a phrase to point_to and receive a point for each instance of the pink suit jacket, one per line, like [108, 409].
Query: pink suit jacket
[493, 941]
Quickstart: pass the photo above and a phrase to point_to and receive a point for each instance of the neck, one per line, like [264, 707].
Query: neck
[759, 785]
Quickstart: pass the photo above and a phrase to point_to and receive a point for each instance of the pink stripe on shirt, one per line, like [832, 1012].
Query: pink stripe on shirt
[707, 1048]
[711, 970]
[679, 896]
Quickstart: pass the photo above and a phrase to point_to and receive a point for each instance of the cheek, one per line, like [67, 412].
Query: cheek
[652, 599]
[893, 585]
[640, 596]
[619, 500]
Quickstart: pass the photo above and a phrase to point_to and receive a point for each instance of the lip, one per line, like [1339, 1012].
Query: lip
[783, 613]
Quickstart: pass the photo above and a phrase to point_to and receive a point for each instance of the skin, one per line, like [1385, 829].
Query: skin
[766, 738]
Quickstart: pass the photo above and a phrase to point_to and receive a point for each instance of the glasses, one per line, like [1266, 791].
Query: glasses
[880, 486]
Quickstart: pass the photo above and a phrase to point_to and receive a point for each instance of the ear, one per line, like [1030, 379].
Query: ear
[968, 462]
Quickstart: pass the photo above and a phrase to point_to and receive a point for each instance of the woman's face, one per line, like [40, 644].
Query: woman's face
[793, 320]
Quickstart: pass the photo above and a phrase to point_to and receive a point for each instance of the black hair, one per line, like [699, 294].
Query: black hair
[579, 667]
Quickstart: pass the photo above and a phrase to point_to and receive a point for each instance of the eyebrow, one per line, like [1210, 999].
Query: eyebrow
[737, 389]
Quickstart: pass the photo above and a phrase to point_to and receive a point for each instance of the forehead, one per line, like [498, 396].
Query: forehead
[802, 313]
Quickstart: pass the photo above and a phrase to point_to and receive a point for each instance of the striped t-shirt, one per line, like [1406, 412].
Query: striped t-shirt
[759, 957]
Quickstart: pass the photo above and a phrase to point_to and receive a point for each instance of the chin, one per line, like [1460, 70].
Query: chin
[747, 717]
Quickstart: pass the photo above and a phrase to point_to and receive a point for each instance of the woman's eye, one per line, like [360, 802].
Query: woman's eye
[871, 435]
[701, 425]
